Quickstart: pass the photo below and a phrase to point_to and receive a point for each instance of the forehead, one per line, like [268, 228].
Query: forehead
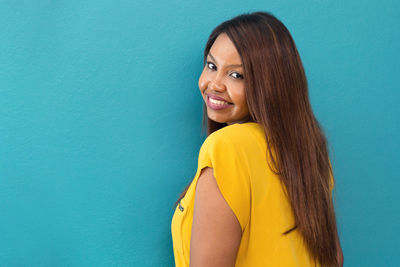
[224, 50]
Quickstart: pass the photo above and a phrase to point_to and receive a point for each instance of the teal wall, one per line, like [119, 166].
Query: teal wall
[100, 122]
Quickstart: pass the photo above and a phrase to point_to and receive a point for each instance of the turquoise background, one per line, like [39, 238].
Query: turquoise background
[100, 122]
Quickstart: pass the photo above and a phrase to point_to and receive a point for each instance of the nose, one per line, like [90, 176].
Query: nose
[216, 85]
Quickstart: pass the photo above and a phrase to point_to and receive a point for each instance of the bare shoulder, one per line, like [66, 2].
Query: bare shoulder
[216, 232]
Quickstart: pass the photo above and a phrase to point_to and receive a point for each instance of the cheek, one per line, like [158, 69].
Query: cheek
[239, 96]
[202, 82]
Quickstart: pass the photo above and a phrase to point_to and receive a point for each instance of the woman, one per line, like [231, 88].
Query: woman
[262, 194]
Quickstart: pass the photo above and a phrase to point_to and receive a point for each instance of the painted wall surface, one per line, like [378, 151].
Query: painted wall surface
[100, 122]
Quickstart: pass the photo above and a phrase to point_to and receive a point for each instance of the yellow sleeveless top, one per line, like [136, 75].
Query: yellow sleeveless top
[238, 155]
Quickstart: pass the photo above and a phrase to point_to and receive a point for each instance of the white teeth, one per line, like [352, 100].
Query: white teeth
[218, 102]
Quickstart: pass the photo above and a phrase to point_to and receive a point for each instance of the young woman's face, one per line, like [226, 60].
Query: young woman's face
[222, 83]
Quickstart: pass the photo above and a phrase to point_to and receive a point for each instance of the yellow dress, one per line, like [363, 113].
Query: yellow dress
[238, 155]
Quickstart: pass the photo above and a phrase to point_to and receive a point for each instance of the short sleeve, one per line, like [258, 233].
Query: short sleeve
[229, 168]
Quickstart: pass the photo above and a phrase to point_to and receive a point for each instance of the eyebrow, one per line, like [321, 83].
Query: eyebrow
[231, 65]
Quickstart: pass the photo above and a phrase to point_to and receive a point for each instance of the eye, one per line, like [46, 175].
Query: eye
[211, 65]
[237, 75]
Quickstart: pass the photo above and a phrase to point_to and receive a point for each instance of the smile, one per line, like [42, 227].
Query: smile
[217, 104]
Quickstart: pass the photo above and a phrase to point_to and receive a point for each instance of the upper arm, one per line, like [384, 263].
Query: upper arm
[216, 232]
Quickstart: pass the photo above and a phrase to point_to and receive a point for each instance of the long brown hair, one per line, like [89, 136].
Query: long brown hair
[277, 98]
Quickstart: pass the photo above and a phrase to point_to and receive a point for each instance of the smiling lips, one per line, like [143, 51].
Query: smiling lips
[217, 104]
[215, 97]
